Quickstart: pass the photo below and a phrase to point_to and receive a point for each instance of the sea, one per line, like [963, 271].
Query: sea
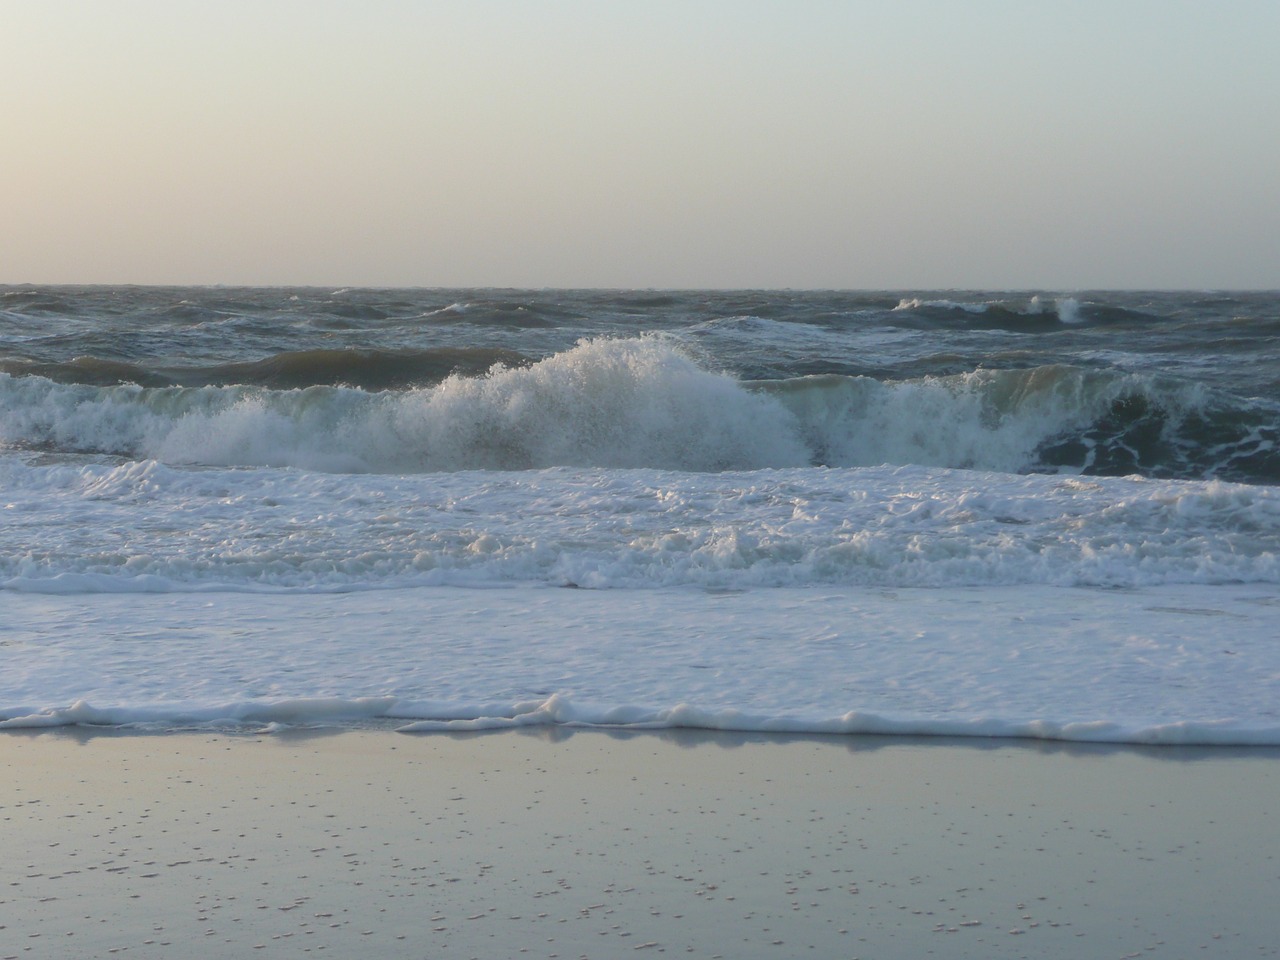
[1036, 514]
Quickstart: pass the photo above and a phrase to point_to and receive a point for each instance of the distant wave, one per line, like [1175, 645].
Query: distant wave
[1035, 313]
[367, 369]
[644, 403]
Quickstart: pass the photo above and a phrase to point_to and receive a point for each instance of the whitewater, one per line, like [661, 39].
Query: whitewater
[964, 514]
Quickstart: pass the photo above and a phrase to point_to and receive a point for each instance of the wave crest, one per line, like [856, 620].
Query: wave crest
[1036, 313]
[610, 403]
[645, 403]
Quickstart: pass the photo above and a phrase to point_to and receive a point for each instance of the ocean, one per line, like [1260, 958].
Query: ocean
[960, 513]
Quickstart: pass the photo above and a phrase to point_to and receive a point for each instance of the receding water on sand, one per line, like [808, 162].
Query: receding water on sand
[562, 844]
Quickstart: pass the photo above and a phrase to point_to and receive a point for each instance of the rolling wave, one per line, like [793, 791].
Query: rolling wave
[1046, 419]
[368, 369]
[631, 403]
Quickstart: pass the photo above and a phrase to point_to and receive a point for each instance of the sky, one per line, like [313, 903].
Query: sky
[665, 143]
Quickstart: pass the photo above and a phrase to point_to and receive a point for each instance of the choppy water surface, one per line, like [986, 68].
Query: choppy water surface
[302, 441]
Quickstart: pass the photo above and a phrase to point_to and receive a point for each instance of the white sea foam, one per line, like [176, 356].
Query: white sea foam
[151, 527]
[1157, 665]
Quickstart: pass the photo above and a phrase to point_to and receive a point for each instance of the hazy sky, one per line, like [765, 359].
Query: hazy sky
[692, 143]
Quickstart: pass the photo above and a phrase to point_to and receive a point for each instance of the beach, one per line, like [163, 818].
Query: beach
[556, 842]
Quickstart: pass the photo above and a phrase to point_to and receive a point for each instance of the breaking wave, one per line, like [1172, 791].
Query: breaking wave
[644, 403]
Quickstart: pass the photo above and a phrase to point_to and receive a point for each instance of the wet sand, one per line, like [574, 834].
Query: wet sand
[564, 844]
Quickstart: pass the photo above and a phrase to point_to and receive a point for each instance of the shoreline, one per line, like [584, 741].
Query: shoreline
[560, 843]
[1134, 666]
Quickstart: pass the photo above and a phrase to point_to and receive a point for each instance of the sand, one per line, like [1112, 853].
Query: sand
[555, 843]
